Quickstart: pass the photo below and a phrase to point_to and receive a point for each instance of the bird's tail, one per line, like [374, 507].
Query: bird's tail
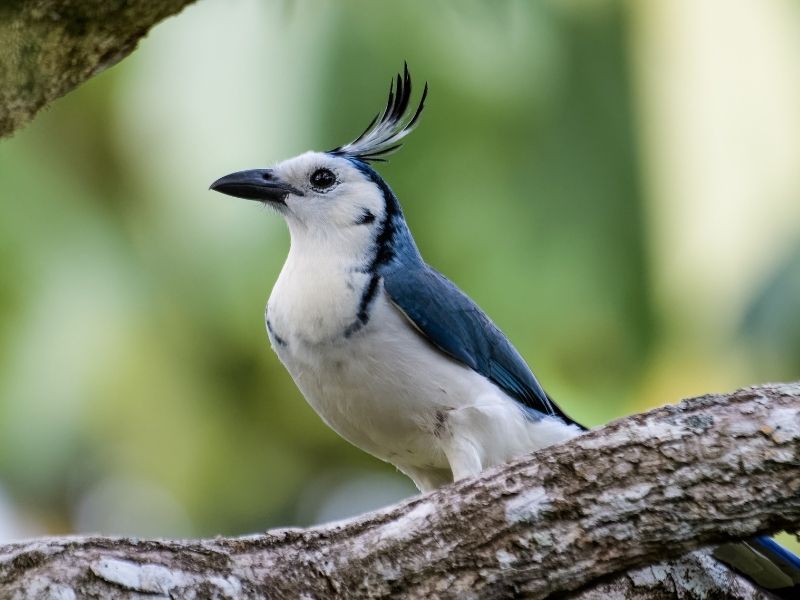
[767, 563]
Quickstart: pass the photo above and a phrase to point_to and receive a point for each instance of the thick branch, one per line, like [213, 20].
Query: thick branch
[633, 493]
[48, 47]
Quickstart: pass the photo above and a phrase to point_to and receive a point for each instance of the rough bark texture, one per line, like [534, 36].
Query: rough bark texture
[48, 47]
[569, 518]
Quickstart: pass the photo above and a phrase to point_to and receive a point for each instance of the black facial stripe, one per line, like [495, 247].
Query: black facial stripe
[383, 250]
[383, 253]
[278, 339]
[365, 218]
[354, 327]
[367, 297]
[363, 315]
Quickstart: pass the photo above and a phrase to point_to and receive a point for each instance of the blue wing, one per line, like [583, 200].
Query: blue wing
[458, 327]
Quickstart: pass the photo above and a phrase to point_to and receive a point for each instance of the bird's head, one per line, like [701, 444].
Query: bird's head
[331, 193]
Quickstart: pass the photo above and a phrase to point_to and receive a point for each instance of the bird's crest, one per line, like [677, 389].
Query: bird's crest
[382, 136]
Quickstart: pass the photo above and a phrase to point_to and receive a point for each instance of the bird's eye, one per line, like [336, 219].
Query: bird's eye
[322, 179]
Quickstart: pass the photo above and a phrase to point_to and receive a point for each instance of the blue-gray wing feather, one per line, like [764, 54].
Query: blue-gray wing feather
[454, 324]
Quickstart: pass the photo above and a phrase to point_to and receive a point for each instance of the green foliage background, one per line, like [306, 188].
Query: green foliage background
[138, 393]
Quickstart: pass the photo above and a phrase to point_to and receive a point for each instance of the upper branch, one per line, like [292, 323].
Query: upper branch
[48, 47]
[635, 492]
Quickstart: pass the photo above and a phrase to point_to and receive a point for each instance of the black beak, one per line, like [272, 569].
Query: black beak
[255, 184]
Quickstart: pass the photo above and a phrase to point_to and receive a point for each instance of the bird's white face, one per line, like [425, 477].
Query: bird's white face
[317, 193]
[334, 197]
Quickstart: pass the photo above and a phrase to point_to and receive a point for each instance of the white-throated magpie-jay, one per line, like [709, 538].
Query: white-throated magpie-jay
[390, 353]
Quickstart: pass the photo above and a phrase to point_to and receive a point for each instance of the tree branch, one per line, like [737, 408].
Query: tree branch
[48, 47]
[571, 517]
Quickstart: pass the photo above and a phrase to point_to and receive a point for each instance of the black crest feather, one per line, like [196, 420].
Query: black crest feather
[382, 136]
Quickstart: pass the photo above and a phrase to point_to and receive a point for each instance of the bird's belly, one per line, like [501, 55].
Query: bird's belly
[376, 405]
[385, 389]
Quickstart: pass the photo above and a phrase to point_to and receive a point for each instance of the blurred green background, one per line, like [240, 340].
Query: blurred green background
[615, 183]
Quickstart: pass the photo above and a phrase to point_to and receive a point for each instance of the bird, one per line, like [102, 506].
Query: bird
[390, 353]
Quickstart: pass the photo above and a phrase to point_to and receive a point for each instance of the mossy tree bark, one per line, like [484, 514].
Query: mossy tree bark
[49, 47]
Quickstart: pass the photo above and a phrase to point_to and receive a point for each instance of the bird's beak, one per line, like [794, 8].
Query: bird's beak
[255, 184]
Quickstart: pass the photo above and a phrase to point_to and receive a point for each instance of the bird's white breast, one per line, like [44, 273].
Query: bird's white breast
[370, 386]
[314, 299]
